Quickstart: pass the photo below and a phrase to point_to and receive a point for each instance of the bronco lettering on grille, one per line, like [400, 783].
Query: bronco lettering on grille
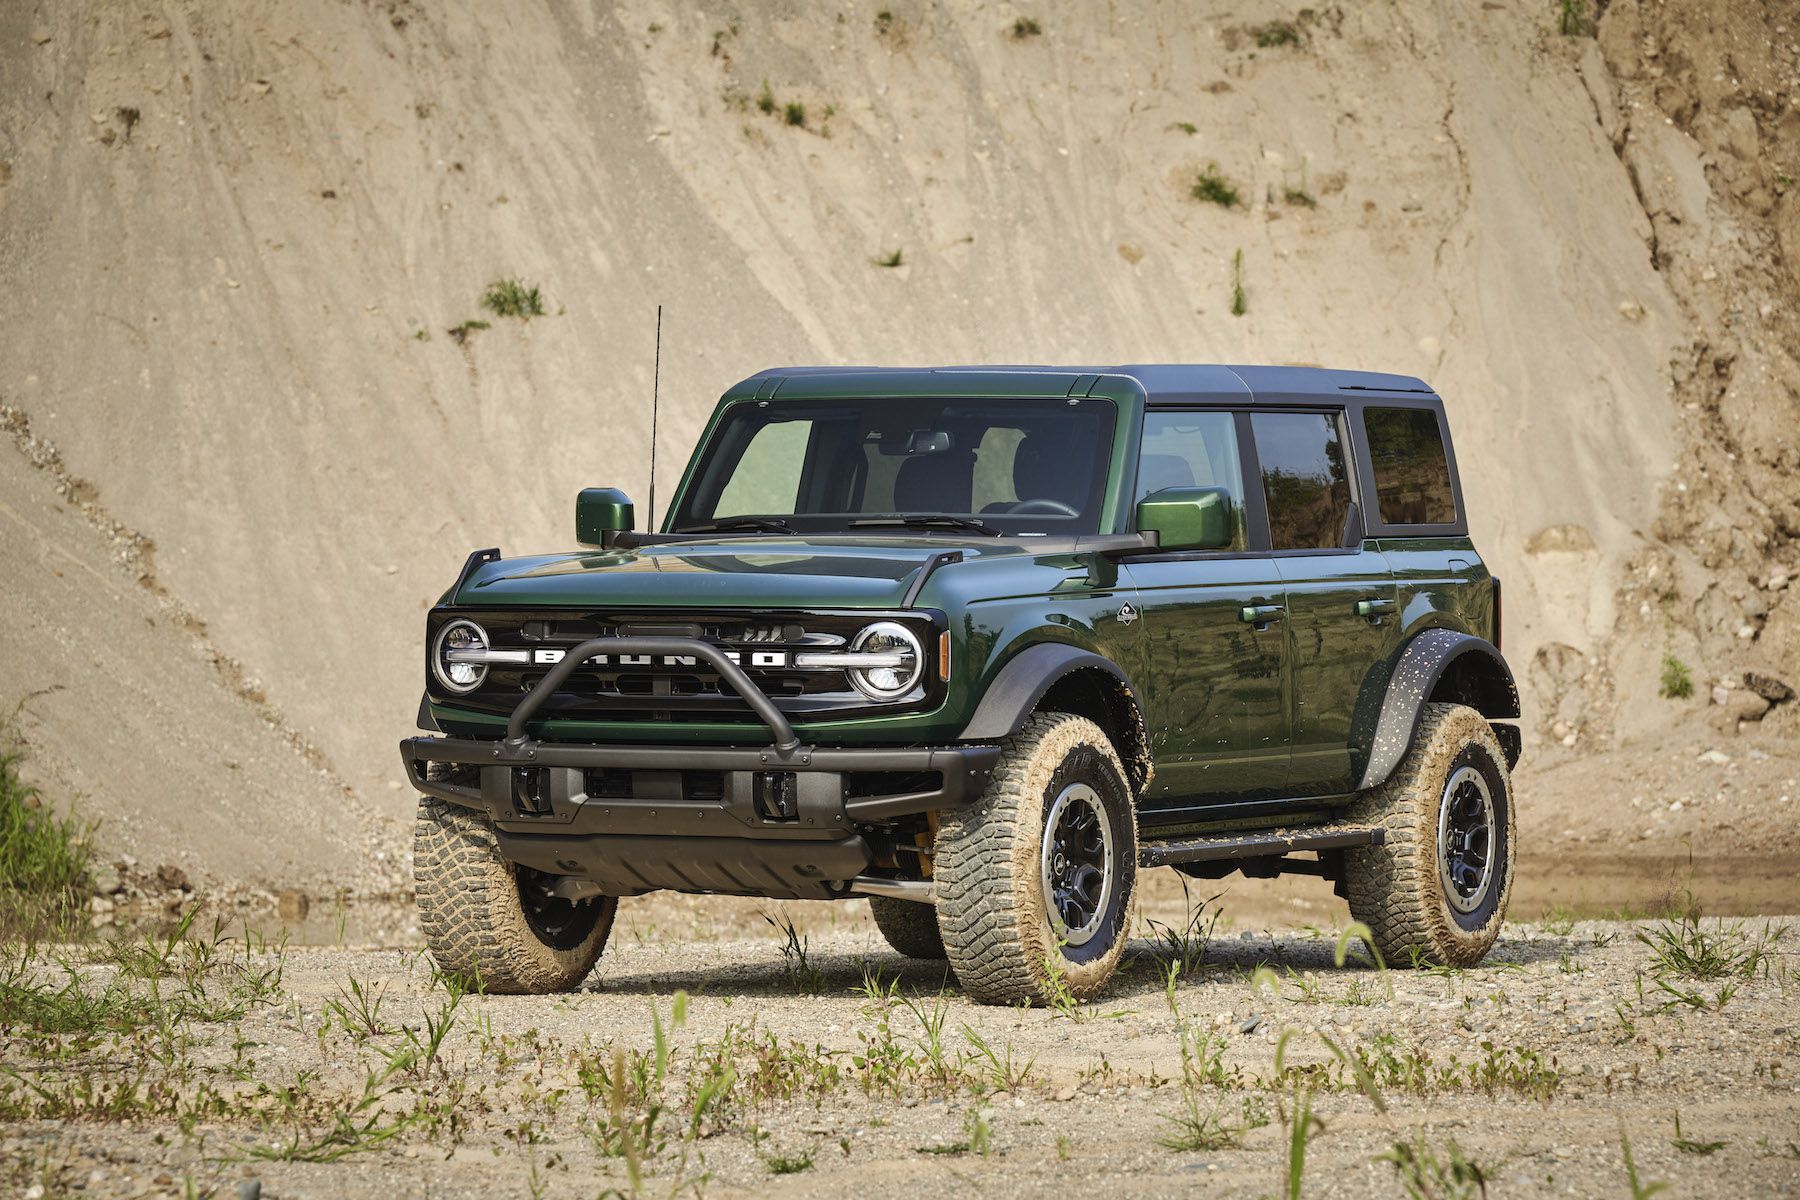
[753, 658]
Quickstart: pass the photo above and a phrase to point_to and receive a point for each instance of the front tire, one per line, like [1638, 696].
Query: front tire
[909, 927]
[1436, 890]
[1036, 880]
[490, 924]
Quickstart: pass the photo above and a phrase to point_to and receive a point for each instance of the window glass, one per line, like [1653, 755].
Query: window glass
[1304, 477]
[1193, 449]
[768, 476]
[1412, 474]
[1035, 465]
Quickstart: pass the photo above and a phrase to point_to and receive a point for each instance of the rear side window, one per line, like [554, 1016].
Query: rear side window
[1412, 475]
[1305, 479]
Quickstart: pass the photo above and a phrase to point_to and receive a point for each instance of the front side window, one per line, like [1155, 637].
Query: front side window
[1412, 473]
[851, 466]
[1193, 449]
[1305, 479]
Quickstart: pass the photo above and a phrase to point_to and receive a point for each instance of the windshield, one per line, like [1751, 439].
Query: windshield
[928, 466]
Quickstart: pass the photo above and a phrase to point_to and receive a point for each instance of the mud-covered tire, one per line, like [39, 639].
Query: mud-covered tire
[909, 927]
[1404, 890]
[476, 922]
[988, 865]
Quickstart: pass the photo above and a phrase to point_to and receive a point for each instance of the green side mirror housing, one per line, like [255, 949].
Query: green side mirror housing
[601, 514]
[1187, 518]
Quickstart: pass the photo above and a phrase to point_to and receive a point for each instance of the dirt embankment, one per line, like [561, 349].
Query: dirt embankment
[246, 232]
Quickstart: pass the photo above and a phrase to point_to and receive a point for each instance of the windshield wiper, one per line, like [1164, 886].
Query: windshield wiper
[760, 524]
[929, 521]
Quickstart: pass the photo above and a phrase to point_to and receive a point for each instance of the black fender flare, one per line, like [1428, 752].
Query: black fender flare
[1425, 661]
[1025, 679]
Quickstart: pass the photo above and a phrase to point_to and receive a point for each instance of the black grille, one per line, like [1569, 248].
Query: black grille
[675, 693]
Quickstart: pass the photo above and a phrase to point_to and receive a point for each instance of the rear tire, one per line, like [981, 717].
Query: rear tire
[1437, 889]
[494, 926]
[1055, 832]
[909, 927]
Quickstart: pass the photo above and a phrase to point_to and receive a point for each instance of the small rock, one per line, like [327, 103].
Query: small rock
[1717, 758]
[1251, 1024]
[1631, 310]
[106, 881]
[171, 878]
[1721, 695]
[100, 904]
[1065, 1095]
[40, 37]
[249, 1189]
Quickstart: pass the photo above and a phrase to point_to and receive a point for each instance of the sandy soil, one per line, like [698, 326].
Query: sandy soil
[244, 231]
[1536, 1065]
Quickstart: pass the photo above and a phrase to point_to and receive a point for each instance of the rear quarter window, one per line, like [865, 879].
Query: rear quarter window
[1412, 473]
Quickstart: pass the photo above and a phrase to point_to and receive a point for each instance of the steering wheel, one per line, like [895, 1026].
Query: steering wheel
[1045, 508]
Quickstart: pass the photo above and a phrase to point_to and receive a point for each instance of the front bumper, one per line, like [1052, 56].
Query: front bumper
[773, 823]
[787, 819]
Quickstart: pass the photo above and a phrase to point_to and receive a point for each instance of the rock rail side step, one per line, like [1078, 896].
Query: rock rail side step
[1259, 844]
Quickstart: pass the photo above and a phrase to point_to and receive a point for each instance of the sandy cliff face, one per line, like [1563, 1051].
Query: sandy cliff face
[234, 238]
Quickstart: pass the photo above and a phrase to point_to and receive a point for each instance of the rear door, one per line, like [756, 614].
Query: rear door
[1213, 682]
[1339, 591]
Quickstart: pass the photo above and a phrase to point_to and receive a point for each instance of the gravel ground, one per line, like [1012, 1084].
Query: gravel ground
[1536, 1065]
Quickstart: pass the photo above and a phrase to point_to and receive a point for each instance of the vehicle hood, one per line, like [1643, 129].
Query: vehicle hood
[782, 572]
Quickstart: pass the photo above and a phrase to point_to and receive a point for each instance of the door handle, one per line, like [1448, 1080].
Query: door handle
[1260, 614]
[1374, 609]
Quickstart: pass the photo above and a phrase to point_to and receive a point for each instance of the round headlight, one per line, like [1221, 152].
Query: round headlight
[896, 676]
[455, 641]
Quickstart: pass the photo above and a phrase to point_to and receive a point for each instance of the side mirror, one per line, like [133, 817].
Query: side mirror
[601, 514]
[1187, 518]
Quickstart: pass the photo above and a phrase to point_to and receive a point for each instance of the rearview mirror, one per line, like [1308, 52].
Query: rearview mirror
[1187, 518]
[601, 514]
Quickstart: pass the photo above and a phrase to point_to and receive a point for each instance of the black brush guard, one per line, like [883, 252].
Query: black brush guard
[783, 821]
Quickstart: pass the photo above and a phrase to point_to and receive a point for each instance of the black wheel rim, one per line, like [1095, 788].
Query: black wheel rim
[559, 922]
[1077, 864]
[1466, 837]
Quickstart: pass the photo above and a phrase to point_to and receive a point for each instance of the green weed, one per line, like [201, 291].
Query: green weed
[511, 298]
[1214, 188]
[1677, 681]
[1572, 19]
[794, 113]
[894, 259]
[1687, 948]
[1184, 949]
[1427, 1174]
[1239, 304]
[460, 333]
[1026, 27]
[765, 100]
[1641, 1189]
[1690, 1146]
[1277, 33]
[44, 859]
[804, 977]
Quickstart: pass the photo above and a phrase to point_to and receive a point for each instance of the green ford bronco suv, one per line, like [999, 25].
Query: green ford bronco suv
[980, 645]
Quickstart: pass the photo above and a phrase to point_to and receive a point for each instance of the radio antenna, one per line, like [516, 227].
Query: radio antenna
[655, 389]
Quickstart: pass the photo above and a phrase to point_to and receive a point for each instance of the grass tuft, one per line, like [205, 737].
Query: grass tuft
[1277, 33]
[1213, 188]
[1026, 27]
[1425, 1174]
[1572, 19]
[1677, 680]
[895, 259]
[794, 113]
[1240, 304]
[511, 298]
[44, 859]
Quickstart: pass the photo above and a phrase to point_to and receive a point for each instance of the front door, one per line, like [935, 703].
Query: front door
[1213, 680]
[1340, 592]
